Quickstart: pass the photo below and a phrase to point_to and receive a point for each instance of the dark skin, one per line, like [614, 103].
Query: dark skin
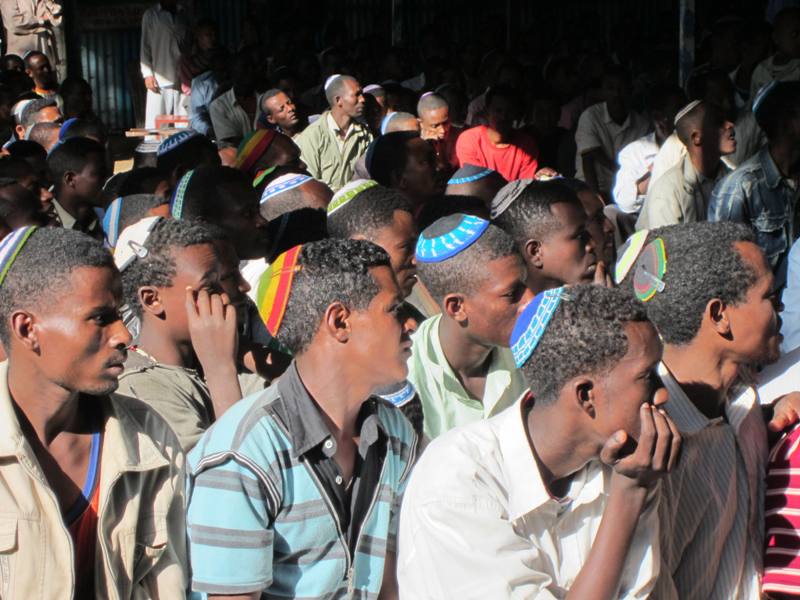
[603, 416]
[474, 324]
[64, 357]
[79, 193]
[399, 239]
[338, 371]
[41, 71]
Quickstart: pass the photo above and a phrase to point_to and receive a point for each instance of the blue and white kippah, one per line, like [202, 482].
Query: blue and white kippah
[282, 184]
[460, 232]
[532, 323]
[62, 132]
[174, 141]
[762, 94]
[402, 396]
[468, 174]
[111, 222]
[11, 246]
[386, 120]
[178, 196]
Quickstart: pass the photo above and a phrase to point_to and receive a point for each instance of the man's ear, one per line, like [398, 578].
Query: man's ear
[24, 330]
[717, 314]
[532, 251]
[150, 300]
[453, 307]
[69, 178]
[336, 322]
[269, 117]
[583, 391]
[696, 137]
[20, 129]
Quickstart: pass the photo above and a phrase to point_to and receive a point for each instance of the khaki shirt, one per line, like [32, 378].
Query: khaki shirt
[141, 546]
[179, 395]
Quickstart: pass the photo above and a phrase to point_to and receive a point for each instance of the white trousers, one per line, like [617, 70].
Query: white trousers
[169, 101]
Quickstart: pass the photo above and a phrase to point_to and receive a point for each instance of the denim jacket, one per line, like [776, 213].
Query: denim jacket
[757, 194]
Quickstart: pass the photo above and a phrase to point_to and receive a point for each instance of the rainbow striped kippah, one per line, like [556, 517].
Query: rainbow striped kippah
[628, 254]
[348, 192]
[532, 323]
[648, 278]
[11, 246]
[252, 148]
[448, 236]
[274, 289]
[282, 184]
[261, 175]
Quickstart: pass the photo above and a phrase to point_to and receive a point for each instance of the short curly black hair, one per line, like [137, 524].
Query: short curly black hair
[40, 271]
[586, 335]
[464, 272]
[702, 264]
[369, 211]
[332, 270]
[206, 198]
[530, 216]
[158, 268]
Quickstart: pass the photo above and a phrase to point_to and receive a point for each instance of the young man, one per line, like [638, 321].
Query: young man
[291, 192]
[127, 210]
[460, 363]
[710, 293]
[556, 497]
[41, 110]
[183, 362]
[434, 119]
[91, 483]
[19, 207]
[77, 168]
[183, 152]
[498, 145]
[683, 193]
[597, 223]
[549, 226]
[332, 144]
[281, 112]
[296, 491]
[45, 78]
[762, 192]
[403, 161]
[364, 210]
[268, 152]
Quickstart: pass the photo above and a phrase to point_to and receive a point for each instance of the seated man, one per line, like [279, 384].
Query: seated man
[281, 113]
[183, 152]
[460, 362]
[292, 192]
[710, 293]
[399, 121]
[234, 112]
[555, 497]
[435, 126]
[480, 182]
[309, 474]
[77, 168]
[127, 210]
[683, 193]
[549, 226]
[88, 479]
[597, 223]
[498, 145]
[269, 150]
[183, 360]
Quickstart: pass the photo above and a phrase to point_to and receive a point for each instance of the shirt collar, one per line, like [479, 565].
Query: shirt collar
[67, 220]
[607, 117]
[303, 417]
[335, 129]
[772, 175]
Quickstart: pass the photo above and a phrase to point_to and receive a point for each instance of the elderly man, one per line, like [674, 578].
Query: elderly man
[332, 144]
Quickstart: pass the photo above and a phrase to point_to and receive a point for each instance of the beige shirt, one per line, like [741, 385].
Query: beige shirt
[477, 521]
[229, 119]
[141, 548]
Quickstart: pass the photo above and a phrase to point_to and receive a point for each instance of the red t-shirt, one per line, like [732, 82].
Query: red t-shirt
[518, 160]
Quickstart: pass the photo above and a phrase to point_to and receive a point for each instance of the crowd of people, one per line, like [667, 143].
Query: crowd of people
[510, 332]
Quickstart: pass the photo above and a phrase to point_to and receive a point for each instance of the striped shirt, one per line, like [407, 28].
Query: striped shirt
[782, 517]
[711, 509]
[261, 517]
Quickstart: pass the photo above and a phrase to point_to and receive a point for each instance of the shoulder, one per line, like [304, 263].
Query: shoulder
[591, 114]
[471, 135]
[138, 419]
[745, 175]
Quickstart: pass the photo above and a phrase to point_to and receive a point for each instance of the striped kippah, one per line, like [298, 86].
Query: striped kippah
[532, 323]
[348, 192]
[628, 254]
[252, 148]
[282, 184]
[468, 174]
[402, 396]
[111, 222]
[506, 196]
[686, 110]
[11, 246]
[175, 141]
[648, 278]
[179, 195]
[448, 236]
[130, 244]
[261, 175]
[274, 289]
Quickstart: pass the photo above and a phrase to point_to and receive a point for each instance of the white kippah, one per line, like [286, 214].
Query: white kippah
[686, 110]
[330, 80]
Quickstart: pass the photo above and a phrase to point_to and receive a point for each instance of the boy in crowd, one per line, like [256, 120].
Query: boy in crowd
[597, 223]
[710, 293]
[296, 491]
[183, 152]
[556, 496]
[68, 442]
[549, 226]
[435, 126]
[183, 362]
[364, 210]
[460, 363]
[77, 168]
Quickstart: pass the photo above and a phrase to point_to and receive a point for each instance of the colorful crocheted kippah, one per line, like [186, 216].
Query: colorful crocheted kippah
[402, 396]
[252, 148]
[648, 278]
[468, 174]
[178, 196]
[448, 236]
[173, 141]
[628, 254]
[348, 192]
[11, 246]
[274, 289]
[532, 323]
[282, 184]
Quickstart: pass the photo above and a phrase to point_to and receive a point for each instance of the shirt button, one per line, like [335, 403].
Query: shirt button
[328, 444]
[339, 479]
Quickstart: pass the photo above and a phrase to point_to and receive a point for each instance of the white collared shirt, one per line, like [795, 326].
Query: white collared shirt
[478, 522]
[635, 160]
[712, 505]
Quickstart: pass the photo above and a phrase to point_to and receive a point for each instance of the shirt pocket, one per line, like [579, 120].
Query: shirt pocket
[150, 543]
[8, 550]
[770, 229]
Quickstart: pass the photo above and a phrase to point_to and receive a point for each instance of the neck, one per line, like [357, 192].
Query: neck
[49, 408]
[341, 119]
[786, 156]
[618, 112]
[538, 282]
[74, 206]
[706, 163]
[558, 450]
[705, 375]
[495, 136]
[464, 355]
[158, 344]
[337, 391]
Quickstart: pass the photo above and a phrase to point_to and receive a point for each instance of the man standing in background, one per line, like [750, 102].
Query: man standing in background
[34, 25]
